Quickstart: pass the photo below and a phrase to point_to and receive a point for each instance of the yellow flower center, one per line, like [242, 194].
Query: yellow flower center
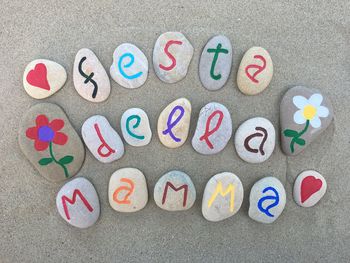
[309, 112]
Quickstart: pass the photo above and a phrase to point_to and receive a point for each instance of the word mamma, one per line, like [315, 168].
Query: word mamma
[78, 203]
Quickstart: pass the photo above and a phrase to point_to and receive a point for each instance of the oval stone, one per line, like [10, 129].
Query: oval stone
[309, 187]
[222, 197]
[42, 78]
[135, 127]
[130, 66]
[172, 56]
[175, 191]
[50, 143]
[215, 63]
[101, 139]
[255, 71]
[304, 114]
[127, 191]
[78, 204]
[214, 129]
[267, 200]
[90, 78]
[255, 140]
[174, 123]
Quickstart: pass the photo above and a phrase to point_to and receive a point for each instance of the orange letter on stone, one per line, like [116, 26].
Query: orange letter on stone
[130, 190]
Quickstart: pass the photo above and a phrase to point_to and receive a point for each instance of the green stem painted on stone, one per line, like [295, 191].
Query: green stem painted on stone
[298, 136]
[60, 164]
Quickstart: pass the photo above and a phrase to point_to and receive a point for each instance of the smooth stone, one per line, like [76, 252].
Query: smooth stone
[101, 139]
[172, 56]
[44, 124]
[135, 127]
[267, 200]
[42, 78]
[130, 66]
[309, 187]
[304, 114]
[222, 197]
[255, 140]
[127, 190]
[214, 138]
[215, 63]
[78, 204]
[174, 123]
[255, 71]
[89, 76]
[175, 191]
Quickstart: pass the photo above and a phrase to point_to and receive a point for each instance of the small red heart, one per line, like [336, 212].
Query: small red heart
[38, 77]
[309, 186]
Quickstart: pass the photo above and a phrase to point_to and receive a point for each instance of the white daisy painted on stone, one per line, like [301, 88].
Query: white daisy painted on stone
[310, 111]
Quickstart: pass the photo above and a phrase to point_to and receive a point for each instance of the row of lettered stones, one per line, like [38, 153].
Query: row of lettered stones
[171, 58]
[49, 141]
[78, 203]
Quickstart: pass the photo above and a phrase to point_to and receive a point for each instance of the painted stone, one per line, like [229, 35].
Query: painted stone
[223, 197]
[50, 143]
[127, 191]
[175, 191]
[267, 200]
[89, 76]
[215, 63]
[78, 204]
[101, 139]
[255, 140]
[304, 114]
[42, 78]
[130, 66]
[309, 187]
[174, 123]
[172, 56]
[255, 71]
[135, 127]
[214, 129]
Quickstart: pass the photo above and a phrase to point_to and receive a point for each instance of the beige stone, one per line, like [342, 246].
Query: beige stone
[42, 78]
[255, 71]
[174, 123]
[127, 191]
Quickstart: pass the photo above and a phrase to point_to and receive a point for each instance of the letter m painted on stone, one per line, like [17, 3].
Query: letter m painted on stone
[72, 201]
[184, 186]
[229, 190]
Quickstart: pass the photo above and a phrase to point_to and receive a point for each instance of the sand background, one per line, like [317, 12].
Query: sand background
[309, 45]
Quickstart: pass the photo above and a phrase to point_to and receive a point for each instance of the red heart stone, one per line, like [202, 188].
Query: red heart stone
[38, 77]
[309, 186]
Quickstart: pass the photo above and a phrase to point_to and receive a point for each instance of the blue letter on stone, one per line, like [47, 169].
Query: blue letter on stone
[276, 198]
[120, 66]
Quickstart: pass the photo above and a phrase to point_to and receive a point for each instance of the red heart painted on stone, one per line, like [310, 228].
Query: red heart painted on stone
[309, 186]
[38, 77]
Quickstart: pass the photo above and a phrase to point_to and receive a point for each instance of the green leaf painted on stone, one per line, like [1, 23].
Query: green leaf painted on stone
[45, 161]
[290, 133]
[66, 159]
[299, 141]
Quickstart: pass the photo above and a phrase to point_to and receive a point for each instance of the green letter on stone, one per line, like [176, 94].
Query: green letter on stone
[216, 55]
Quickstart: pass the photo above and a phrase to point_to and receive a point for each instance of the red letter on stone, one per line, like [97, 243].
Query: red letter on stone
[166, 50]
[184, 186]
[208, 132]
[72, 201]
[103, 144]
